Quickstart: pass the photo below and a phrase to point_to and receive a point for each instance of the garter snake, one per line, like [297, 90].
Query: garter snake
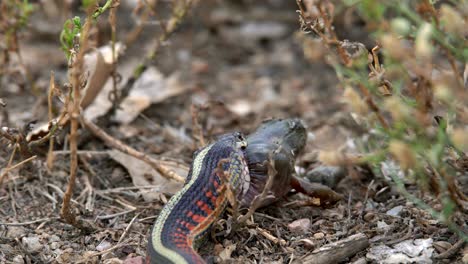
[189, 214]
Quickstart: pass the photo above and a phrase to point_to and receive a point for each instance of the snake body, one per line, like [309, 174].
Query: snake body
[186, 218]
[188, 215]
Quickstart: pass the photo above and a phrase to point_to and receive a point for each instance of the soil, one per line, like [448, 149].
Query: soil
[242, 76]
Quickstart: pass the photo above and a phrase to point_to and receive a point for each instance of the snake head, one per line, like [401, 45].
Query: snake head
[235, 139]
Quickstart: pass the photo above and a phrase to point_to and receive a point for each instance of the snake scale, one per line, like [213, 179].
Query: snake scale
[230, 161]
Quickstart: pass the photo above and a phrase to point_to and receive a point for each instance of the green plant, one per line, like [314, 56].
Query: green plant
[14, 16]
[414, 104]
[71, 29]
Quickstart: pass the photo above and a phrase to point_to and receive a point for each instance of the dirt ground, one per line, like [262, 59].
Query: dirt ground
[243, 60]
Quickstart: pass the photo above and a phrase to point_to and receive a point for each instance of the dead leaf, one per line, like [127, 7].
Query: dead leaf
[300, 226]
[226, 253]
[266, 96]
[408, 251]
[151, 88]
[144, 175]
[442, 246]
[98, 66]
[101, 104]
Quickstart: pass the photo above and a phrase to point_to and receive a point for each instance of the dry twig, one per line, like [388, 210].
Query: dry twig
[74, 113]
[119, 145]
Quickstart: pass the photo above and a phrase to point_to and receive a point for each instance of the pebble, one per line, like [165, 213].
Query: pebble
[54, 238]
[300, 226]
[16, 231]
[395, 211]
[103, 245]
[327, 175]
[134, 260]
[32, 243]
[113, 261]
[89, 255]
[54, 245]
[369, 217]
[75, 246]
[65, 256]
[465, 258]
[383, 226]
[319, 235]
[259, 30]
[18, 259]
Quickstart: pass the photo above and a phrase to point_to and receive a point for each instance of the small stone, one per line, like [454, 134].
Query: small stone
[319, 235]
[262, 30]
[64, 257]
[32, 243]
[109, 257]
[360, 261]
[383, 226]
[75, 246]
[327, 175]
[54, 238]
[465, 257]
[103, 245]
[369, 217]
[16, 232]
[300, 226]
[18, 259]
[89, 255]
[395, 211]
[134, 260]
[54, 245]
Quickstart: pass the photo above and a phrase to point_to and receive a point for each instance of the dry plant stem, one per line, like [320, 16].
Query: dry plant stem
[119, 145]
[89, 206]
[5, 171]
[30, 222]
[50, 154]
[104, 217]
[328, 20]
[271, 237]
[452, 250]
[337, 251]
[373, 106]
[178, 14]
[332, 40]
[196, 127]
[133, 35]
[19, 164]
[369, 187]
[111, 249]
[128, 228]
[76, 72]
[112, 22]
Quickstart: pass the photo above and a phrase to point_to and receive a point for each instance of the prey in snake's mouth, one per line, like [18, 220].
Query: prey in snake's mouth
[235, 170]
